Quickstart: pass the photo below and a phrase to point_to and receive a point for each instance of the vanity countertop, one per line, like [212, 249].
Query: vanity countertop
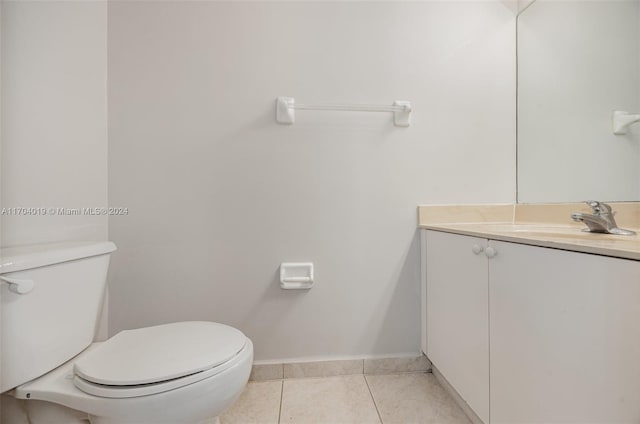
[529, 226]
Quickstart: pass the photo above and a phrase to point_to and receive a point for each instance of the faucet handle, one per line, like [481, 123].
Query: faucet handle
[599, 208]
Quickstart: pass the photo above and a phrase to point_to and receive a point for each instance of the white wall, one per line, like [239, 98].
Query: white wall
[54, 130]
[578, 62]
[219, 194]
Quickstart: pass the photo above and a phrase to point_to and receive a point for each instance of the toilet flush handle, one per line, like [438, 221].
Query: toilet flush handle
[18, 286]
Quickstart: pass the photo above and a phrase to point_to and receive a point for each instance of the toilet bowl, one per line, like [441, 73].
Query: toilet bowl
[178, 373]
[189, 399]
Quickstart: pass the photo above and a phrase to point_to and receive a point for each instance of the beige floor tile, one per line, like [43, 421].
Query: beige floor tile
[259, 403]
[330, 400]
[414, 398]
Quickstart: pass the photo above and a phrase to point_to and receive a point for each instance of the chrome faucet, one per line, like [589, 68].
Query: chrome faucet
[601, 221]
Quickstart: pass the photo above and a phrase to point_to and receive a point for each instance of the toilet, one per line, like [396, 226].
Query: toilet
[51, 296]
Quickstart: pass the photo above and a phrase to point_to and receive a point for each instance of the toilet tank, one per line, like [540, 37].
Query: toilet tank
[55, 319]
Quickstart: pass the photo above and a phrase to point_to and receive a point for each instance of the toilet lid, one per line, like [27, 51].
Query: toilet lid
[160, 353]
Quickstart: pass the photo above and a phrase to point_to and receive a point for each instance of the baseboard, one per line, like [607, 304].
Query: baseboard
[332, 367]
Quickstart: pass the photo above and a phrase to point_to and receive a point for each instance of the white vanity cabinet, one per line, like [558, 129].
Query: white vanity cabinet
[458, 315]
[533, 334]
[564, 336]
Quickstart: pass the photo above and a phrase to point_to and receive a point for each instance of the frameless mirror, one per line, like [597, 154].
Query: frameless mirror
[578, 62]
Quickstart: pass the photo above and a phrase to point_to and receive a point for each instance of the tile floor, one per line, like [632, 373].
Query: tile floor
[350, 399]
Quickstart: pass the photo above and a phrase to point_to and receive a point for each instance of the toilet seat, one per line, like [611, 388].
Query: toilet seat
[156, 359]
[190, 403]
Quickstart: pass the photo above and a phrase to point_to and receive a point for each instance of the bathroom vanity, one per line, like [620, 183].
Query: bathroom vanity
[533, 322]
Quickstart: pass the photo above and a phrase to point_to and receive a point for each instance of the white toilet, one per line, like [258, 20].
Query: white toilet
[51, 295]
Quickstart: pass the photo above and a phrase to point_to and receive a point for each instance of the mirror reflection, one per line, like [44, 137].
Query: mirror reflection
[578, 62]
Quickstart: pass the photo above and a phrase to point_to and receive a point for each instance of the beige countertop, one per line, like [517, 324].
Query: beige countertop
[535, 225]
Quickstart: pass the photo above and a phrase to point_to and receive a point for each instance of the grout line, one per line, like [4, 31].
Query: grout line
[281, 394]
[373, 398]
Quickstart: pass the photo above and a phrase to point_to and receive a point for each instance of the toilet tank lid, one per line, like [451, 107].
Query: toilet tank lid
[20, 258]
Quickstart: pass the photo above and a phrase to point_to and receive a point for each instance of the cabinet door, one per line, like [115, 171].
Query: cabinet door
[457, 315]
[565, 337]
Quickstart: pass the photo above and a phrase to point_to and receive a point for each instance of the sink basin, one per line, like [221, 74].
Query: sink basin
[542, 230]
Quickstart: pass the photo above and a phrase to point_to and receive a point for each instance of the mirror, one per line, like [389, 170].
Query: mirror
[578, 61]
